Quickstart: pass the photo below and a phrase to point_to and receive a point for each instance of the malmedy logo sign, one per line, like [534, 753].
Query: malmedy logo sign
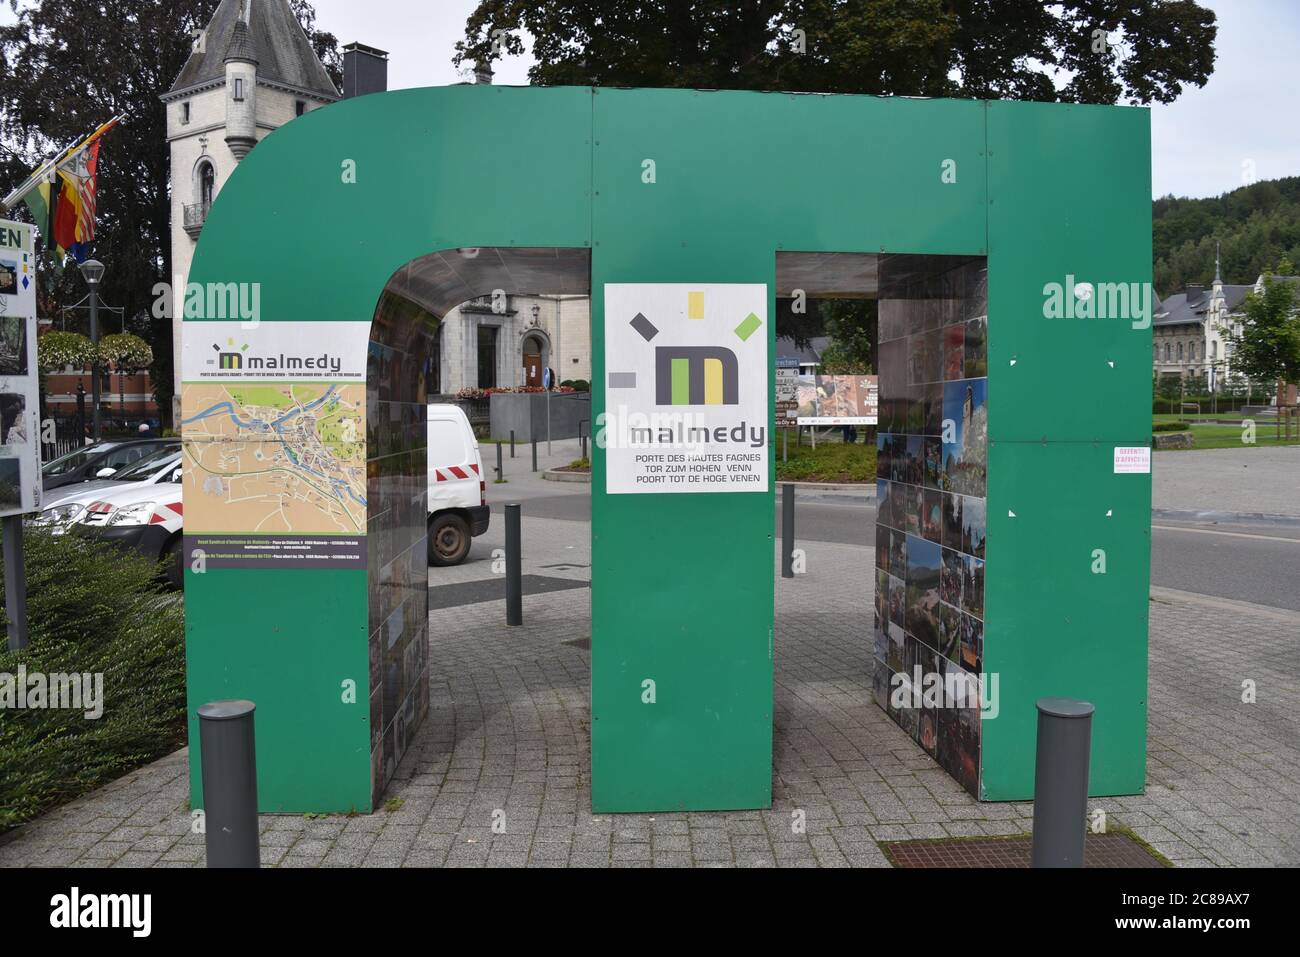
[275, 351]
[687, 381]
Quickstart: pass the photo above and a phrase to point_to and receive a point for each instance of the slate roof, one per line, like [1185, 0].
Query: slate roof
[1192, 304]
[786, 349]
[274, 39]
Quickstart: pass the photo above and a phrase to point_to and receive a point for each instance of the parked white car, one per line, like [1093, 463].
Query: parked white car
[65, 505]
[458, 509]
[146, 518]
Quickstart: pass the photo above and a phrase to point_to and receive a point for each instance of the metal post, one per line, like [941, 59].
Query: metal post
[534, 453]
[94, 366]
[500, 471]
[229, 767]
[787, 531]
[785, 445]
[514, 578]
[512, 443]
[1061, 781]
[15, 582]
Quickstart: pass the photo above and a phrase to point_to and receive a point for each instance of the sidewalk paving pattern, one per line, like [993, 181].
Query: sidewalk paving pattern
[508, 731]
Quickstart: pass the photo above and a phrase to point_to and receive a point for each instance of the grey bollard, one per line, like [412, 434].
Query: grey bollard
[500, 471]
[514, 579]
[512, 443]
[1061, 781]
[787, 531]
[534, 454]
[229, 766]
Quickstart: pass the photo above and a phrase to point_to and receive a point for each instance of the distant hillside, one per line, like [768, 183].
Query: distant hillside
[1257, 225]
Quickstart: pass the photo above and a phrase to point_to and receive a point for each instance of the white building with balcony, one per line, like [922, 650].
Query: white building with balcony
[252, 70]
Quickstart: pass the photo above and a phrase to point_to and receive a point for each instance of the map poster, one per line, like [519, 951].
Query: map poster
[20, 463]
[274, 425]
[688, 388]
[839, 399]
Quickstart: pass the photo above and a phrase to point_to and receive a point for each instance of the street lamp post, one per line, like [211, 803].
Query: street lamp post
[92, 270]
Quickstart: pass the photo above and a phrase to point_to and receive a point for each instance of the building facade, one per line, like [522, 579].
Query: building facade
[252, 70]
[507, 343]
[1191, 330]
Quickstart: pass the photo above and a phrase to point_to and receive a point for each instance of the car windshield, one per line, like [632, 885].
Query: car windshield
[74, 460]
[149, 466]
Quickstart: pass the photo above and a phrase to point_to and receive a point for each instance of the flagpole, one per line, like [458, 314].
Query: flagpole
[16, 197]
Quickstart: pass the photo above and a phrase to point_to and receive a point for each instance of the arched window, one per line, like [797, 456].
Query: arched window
[207, 185]
[1180, 352]
[1166, 352]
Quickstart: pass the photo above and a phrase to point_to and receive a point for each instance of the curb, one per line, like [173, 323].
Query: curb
[864, 489]
[555, 475]
[1229, 518]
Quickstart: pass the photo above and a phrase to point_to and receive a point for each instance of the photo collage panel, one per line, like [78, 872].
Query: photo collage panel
[931, 518]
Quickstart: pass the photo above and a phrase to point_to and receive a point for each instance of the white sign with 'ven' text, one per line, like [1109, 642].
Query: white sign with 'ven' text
[20, 458]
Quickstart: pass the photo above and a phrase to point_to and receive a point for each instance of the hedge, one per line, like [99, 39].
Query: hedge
[92, 609]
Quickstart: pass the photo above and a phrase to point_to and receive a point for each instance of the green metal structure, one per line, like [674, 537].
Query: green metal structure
[329, 208]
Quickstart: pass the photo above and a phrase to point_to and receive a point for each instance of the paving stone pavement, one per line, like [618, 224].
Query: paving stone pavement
[507, 735]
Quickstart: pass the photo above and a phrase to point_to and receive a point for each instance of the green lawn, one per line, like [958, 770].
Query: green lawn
[1232, 436]
[829, 462]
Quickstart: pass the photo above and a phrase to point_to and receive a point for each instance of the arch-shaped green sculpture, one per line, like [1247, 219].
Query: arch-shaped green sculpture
[680, 187]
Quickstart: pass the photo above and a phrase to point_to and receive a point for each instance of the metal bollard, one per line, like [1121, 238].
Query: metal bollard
[500, 471]
[534, 454]
[582, 437]
[514, 578]
[512, 443]
[229, 765]
[787, 531]
[1061, 781]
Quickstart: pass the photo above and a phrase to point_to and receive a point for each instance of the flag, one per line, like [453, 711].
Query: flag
[61, 197]
[42, 201]
[74, 211]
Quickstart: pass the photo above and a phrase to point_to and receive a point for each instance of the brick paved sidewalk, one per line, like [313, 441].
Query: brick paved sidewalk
[508, 730]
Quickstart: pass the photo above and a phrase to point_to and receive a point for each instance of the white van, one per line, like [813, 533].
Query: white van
[458, 509]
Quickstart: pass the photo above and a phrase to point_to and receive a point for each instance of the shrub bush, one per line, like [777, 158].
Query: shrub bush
[1170, 426]
[91, 609]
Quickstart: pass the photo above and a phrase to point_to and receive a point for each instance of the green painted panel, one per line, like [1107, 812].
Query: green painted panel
[1069, 195]
[286, 640]
[1052, 626]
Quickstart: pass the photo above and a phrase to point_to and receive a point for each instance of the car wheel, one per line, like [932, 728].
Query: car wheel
[174, 564]
[449, 540]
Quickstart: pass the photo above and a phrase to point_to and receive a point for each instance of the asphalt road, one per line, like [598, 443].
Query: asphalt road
[1258, 563]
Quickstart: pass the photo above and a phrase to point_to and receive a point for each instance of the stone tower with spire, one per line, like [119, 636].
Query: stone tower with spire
[251, 71]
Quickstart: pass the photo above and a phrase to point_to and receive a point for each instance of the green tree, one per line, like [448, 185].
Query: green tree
[1251, 227]
[1085, 51]
[66, 66]
[1269, 344]
[851, 325]
[1171, 388]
